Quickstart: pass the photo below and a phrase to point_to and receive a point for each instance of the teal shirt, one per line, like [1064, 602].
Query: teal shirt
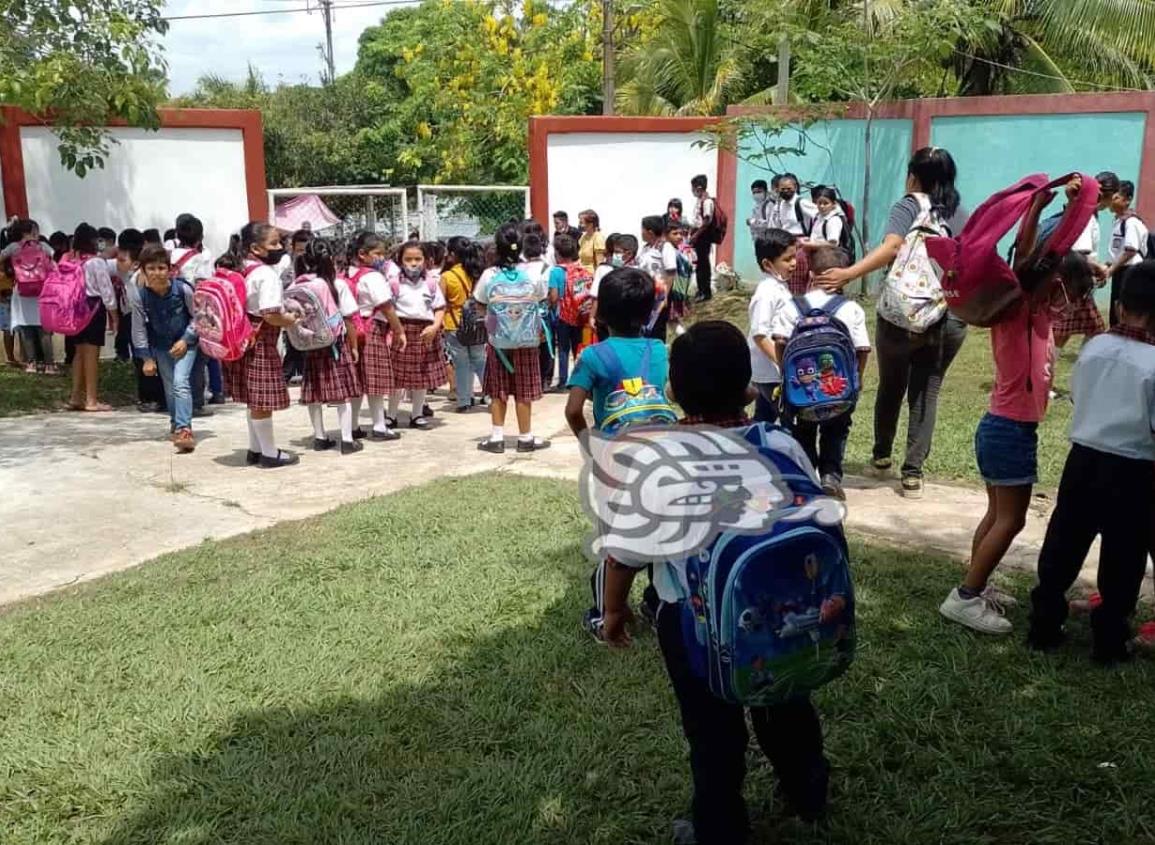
[590, 375]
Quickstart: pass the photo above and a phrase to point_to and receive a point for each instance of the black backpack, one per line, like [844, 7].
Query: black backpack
[471, 325]
[846, 240]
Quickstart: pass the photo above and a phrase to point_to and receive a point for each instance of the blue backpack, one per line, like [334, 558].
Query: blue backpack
[514, 315]
[633, 401]
[771, 616]
[820, 364]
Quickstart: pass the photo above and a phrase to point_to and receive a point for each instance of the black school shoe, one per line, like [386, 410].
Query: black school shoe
[534, 445]
[252, 458]
[420, 423]
[360, 433]
[283, 459]
[325, 445]
[494, 447]
[386, 435]
[352, 446]
[426, 411]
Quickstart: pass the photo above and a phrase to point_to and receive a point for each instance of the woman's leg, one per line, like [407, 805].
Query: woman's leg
[462, 371]
[1010, 506]
[927, 371]
[477, 362]
[894, 350]
[76, 400]
[524, 411]
[985, 523]
[91, 360]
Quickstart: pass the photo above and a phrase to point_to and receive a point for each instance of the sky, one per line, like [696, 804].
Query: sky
[281, 47]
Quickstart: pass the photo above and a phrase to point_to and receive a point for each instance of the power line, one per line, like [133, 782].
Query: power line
[1099, 85]
[259, 12]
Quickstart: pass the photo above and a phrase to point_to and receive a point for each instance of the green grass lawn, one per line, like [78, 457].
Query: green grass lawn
[21, 393]
[964, 399]
[383, 674]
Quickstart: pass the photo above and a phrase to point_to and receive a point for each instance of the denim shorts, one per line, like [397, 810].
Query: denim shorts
[1007, 451]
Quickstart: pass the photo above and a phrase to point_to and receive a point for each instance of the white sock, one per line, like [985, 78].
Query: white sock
[264, 430]
[345, 418]
[377, 411]
[254, 443]
[526, 438]
[317, 418]
[394, 403]
[498, 433]
[418, 397]
[355, 404]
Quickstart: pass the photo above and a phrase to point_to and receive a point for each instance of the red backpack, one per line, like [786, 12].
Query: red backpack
[719, 225]
[575, 302]
[977, 282]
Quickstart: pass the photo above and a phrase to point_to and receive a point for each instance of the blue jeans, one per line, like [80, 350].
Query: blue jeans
[177, 378]
[568, 339]
[468, 361]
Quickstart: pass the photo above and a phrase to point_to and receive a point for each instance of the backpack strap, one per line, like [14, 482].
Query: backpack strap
[184, 259]
[833, 304]
[802, 305]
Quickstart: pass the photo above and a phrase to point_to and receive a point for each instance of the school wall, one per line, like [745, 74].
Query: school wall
[207, 162]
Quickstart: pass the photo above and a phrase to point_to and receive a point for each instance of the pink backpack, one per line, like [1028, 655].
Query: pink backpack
[979, 285]
[432, 281]
[31, 266]
[64, 305]
[219, 314]
[320, 323]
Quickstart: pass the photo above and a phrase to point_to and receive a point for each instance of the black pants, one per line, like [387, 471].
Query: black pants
[913, 366]
[705, 273]
[294, 363]
[824, 443]
[1100, 494]
[790, 736]
[766, 407]
[123, 342]
[148, 388]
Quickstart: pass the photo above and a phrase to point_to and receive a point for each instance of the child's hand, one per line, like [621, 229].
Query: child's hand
[428, 335]
[149, 368]
[179, 349]
[400, 341]
[614, 624]
[354, 354]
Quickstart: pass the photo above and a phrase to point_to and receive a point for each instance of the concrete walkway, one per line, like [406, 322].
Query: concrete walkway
[83, 495]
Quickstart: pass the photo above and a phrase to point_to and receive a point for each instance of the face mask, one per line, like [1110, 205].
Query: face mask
[273, 257]
[759, 196]
[379, 264]
[618, 260]
[413, 274]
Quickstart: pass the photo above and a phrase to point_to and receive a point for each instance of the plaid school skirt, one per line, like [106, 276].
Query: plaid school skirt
[257, 379]
[1083, 318]
[417, 366]
[329, 378]
[376, 365]
[799, 281]
[523, 384]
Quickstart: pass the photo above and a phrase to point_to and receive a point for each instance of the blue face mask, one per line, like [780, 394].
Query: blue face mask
[618, 261]
[379, 264]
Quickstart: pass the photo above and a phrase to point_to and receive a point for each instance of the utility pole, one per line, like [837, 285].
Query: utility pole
[327, 11]
[782, 94]
[607, 57]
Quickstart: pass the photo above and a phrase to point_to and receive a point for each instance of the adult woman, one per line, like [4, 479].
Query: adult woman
[592, 244]
[910, 364]
[463, 269]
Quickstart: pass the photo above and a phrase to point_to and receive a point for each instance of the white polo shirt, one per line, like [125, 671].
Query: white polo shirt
[1113, 385]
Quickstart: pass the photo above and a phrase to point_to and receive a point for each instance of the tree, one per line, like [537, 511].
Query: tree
[84, 63]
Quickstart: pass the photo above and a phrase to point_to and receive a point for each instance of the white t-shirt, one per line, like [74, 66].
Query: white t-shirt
[263, 289]
[703, 211]
[850, 314]
[659, 260]
[784, 215]
[1088, 241]
[198, 266]
[481, 290]
[1113, 385]
[416, 300]
[373, 291]
[285, 270]
[828, 227]
[600, 273]
[537, 269]
[1128, 233]
[770, 297]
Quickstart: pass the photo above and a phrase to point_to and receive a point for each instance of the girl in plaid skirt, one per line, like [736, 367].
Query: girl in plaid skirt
[331, 373]
[510, 372]
[383, 331]
[257, 379]
[419, 365]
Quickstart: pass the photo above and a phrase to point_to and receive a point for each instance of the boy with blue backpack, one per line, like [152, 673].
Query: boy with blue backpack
[823, 345]
[754, 621]
[624, 377]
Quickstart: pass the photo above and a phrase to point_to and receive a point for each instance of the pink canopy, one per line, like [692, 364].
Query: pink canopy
[308, 209]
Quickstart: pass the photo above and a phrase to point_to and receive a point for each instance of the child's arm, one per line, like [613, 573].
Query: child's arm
[863, 357]
[280, 319]
[616, 602]
[1025, 244]
[390, 312]
[575, 410]
[769, 347]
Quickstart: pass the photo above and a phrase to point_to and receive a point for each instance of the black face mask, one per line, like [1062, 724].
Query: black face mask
[273, 257]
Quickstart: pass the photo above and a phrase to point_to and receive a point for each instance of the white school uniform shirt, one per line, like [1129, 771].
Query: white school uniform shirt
[1113, 385]
[346, 302]
[600, 273]
[416, 300]
[850, 314]
[770, 298]
[784, 215]
[263, 289]
[98, 282]
[703, 210]
[373, 291]
[1128, 233]
[198, 267]
[537, 269]
[1088, 241]
[828, 227]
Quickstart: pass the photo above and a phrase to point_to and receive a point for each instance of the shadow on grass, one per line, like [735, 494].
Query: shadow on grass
[535, 735]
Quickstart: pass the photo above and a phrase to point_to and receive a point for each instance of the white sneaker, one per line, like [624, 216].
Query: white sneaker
[978, 613]
[1003, 599]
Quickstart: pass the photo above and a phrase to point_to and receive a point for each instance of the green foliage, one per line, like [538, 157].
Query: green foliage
[85, 62]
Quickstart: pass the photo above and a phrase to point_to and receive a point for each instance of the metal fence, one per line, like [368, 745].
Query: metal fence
[474, 211]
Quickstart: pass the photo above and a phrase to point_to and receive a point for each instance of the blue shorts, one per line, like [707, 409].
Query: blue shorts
[5, 316]
[1007, 451]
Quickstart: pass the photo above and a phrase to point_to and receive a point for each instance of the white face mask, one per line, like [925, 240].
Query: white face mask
[759, 196]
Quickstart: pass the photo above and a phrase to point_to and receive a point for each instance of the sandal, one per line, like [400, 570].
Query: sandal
[283, 459]
[98, 408]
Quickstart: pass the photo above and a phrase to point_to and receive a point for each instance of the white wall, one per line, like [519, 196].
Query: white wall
[148, 179]
[625, 176]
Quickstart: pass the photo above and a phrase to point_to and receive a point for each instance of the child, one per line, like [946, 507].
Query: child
[368, 267]
[1107, 486]
[193, 263]
[828, 227]
[463, 269]
[25, 310]
[149, 389]
[659, 259]
[90, 340]
[330, 374]
[7, 284]
[621, 251]
[419, 363]
[537, 268]
[1006, 440]
[825, 442]
[165, 339]
[709, 378]
[256, 379]
[627, 303]
[776, 251]
[569, 324]
[1128, 242]
[759, 220]
[1084, 317]
[679, 297]
[513, 372]
[796, 216]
